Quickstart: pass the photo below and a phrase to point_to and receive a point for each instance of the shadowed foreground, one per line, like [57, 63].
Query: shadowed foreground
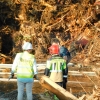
[13, 96]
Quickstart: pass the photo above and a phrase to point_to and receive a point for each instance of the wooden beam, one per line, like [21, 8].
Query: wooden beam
[77, 73]
[38, 65]
[70, 73]
[10, 65]
[77, 84]
[12, 80]
[61, 93]
[70, 83]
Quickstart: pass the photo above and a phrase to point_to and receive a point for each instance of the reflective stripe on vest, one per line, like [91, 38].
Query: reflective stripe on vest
[56, 65]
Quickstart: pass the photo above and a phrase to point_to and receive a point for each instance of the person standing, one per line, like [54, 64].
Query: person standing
[26, 68]
[65, 54]
[56, 66]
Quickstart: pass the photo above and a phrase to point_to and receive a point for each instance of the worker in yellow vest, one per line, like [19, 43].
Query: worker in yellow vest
[56, 67]
[25, 66]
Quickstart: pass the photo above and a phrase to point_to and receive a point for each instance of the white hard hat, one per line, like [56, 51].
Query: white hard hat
[27, 46]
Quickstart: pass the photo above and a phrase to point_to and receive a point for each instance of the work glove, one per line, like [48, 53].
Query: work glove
[35, 76]
[11, 76]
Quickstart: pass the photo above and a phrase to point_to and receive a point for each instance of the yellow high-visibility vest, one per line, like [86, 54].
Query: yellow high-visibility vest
[25, 65]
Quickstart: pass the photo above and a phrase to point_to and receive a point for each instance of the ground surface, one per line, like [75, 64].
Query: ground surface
[13, 96]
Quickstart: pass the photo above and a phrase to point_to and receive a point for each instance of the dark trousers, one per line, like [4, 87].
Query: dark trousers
[65, 81]
[63, 84]
[60, 83]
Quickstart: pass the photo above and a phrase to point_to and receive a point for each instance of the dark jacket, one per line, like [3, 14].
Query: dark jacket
[64, 52]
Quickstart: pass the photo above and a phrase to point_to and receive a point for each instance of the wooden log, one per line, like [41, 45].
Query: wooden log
[56, 89]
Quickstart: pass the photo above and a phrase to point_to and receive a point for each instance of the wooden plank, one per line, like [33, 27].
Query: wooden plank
[69, 82]
[79, 90]
[77, 73]
[10, 65]
[77, 84]
[38, 65]
[70, 73]
[13, 80]
[84, 79]
[3, 73]
[61, 93]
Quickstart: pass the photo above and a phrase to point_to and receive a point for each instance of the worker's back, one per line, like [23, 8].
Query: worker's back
[56, 65]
